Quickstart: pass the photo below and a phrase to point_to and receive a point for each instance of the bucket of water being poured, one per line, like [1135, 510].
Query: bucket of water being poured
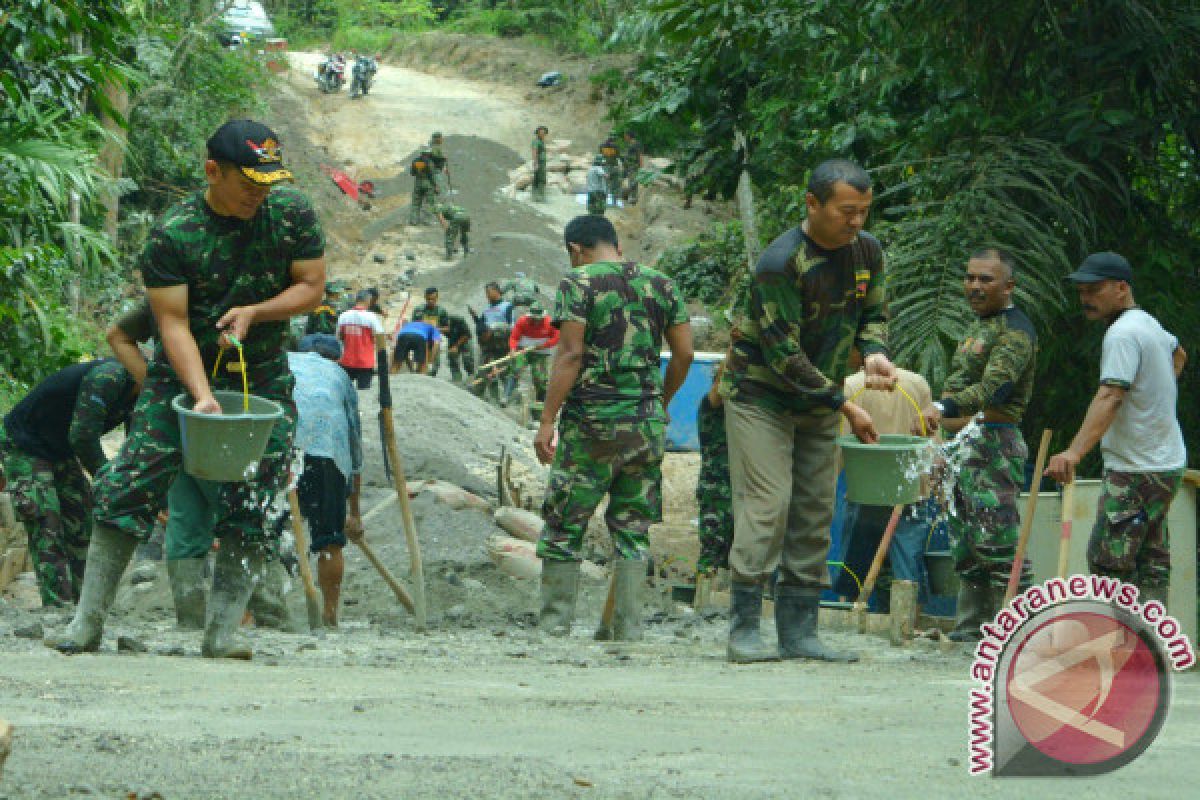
[888, 473]
[225, 446]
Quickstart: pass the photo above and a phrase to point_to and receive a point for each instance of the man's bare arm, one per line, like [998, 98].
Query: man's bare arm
[127, 352]
[1179, 360]
[679, 340]
[568, 361]
[170, 307]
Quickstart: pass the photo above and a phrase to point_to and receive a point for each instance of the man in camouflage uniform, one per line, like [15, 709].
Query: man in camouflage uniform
[1133, 418]
[537, 189]
[492, 328]
[456, 222]
[522, 291]
[232, 262]
[714, 493]
[424, 188]
[460, 353]
[323, 318]
[610, 154]
[597, 187]
[816, 293]
[441, 165]
[992, 374]
[613, 317]
[633, 160]
[47, 441]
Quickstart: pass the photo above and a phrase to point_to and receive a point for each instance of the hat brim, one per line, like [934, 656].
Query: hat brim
[267, 175]
[1080, 276]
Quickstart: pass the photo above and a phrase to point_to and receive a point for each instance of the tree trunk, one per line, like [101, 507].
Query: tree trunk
[745, 201]
[112, 155]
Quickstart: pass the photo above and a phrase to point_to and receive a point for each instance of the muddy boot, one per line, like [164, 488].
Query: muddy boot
[629, 577]
[108, 555]
[560, 583]
[266, 601]
[973, 609]
[233, 582]
[796, 622]
[189, 583]
[746, 645]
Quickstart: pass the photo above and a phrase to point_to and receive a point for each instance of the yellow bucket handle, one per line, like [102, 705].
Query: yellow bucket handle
[898, 388]
[242, 361]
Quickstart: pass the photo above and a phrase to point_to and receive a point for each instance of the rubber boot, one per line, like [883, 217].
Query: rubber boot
[746, 645]
[629, 575]
[560, 584]
[233, 582]
[465, 247]
[189, 584]
[266, 601]
[974, 608]
[796, 622]
[108, 555]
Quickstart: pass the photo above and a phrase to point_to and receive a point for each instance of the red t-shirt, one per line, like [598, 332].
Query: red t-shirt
[530, 331]
[357, 328]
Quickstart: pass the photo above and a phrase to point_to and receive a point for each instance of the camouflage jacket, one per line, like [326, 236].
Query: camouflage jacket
[438, 157]
[227, 262]
[459, 332]
[625, 309]
[437, 316]
[521, 291]
[65, 415]
[797, 320]
[422, 171]
[993, 367]
[539, 149]
[453, 213]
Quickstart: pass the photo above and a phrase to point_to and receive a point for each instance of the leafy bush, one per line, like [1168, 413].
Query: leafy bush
[705, 268]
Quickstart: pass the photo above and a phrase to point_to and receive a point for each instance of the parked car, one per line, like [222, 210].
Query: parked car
[246, 19]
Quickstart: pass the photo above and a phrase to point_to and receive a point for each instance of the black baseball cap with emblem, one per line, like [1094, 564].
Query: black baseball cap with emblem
[253, 148]
[1098, 267]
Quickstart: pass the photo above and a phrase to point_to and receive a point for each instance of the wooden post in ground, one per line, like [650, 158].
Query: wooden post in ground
[903, 611]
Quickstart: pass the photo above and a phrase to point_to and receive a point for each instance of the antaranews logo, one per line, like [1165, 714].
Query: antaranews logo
[1074, 678]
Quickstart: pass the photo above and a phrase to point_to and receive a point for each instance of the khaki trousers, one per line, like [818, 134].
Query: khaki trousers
[783, 468]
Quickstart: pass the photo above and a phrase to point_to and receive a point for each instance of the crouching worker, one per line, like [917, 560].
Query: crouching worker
[47, 441]
[233, 262]
[613, 316]
[329, 434]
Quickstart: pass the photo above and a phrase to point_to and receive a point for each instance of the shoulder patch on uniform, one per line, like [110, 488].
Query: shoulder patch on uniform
[778, 254]
[1017, 320]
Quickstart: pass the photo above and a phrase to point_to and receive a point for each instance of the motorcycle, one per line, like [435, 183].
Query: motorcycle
[363, 74]
[331, 75]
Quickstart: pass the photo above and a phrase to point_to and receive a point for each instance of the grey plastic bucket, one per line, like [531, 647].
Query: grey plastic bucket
[943, 580]
[224, 447]
[888, 473]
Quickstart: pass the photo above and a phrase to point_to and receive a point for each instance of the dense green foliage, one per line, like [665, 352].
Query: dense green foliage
[1049, 129]
[82, 84]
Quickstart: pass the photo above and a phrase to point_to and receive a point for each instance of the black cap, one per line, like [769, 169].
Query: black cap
[253, 148]
[431, 290]
[1103, 267]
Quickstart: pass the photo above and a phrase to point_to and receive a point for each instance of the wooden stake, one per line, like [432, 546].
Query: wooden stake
[1014, 577]
[310, 591]
[903, 611]
[401, 593]
[410, 527]
[860, 605]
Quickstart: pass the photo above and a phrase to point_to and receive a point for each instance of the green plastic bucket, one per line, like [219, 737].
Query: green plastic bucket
[224, 447]
[943, 580]
[885, 474]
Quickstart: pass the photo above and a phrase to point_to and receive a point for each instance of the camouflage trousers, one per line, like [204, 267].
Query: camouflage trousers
[597, 202]
[489, 384]
[613, 173]
[539, 372]
[537, 190]
[53, 499]
[629, 192]
[132, 488]
[461, 362]
[714, 492]
[593, 458]
[422, 198]
[985, 523]
[456, 231]
[1129, 540]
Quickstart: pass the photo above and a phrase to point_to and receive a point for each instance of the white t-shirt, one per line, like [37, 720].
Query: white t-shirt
[1145, 435]
[357, 328]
